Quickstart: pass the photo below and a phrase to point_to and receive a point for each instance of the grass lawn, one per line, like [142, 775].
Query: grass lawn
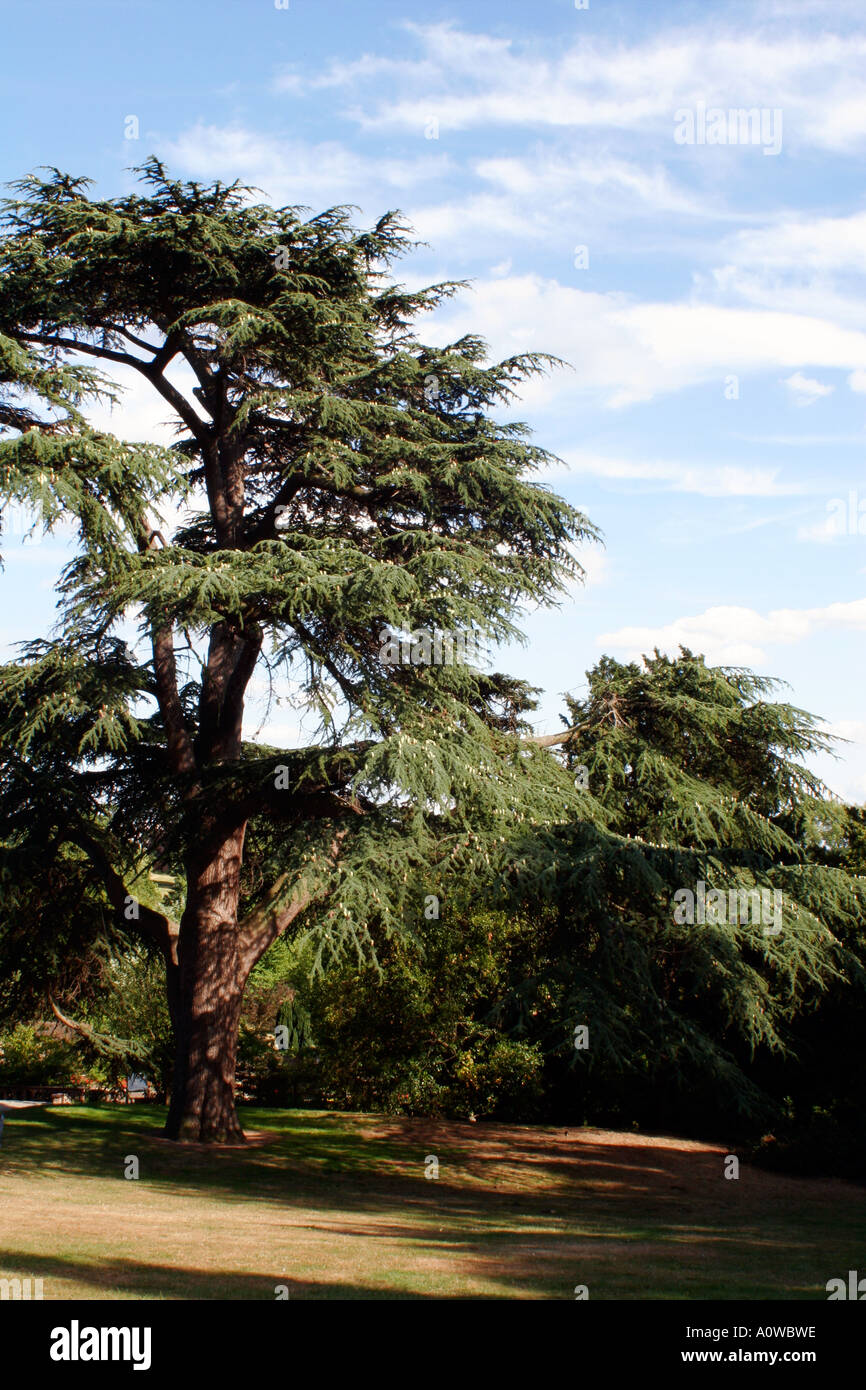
[338, 1206]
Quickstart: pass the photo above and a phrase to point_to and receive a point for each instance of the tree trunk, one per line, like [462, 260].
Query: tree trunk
[207, 994]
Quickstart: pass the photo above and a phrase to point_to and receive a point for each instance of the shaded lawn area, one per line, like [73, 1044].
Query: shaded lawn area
[338, 1206]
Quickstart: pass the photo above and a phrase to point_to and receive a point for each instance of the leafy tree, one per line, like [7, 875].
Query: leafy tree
[850, 848]
[125, 1024]
[689, 773]
[339, 481]
[423, 1036]
[694, 778]
[54, 923]
[276, 1063]
[30, 1056]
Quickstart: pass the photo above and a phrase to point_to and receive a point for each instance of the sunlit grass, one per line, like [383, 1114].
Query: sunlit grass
[337, 1206]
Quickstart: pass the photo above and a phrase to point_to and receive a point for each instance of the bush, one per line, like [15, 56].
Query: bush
[31, 1057]
[829, 1140]
[412, 1088]
[426, 1037]
[503, 1079]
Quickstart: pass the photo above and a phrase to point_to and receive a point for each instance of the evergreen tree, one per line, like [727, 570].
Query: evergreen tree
[701, 911]
[735, 1019]
[344, 485]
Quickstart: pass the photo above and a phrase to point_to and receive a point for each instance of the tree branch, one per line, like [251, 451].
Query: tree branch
[126, 359]
[180, 750]
[197, 427]
[232, 714]
[162, 929]
[551, 740]
[350, 689]
[261, 927]
[102, 1042]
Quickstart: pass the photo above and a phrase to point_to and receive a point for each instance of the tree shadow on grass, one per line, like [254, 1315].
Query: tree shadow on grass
[135, 1279]
[614, 1270]
[329, 1161]
[528, 1207]
[309, 1150]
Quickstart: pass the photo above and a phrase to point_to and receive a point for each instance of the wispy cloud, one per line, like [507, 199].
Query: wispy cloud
[706, 480]
[295, 171]
[625, 352]
[468, 79]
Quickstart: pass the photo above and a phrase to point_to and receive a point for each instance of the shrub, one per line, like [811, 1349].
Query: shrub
[31, 1057]
[502, 1079]
[426, 1037]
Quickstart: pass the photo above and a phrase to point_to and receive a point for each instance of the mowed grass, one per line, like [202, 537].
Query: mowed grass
[338, 1206]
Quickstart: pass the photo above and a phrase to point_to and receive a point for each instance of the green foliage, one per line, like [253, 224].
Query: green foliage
[277, 996]
[128, 1018]
[699, 779]
[420, 1037]
[697, 1026]
[851, 840]
[29, 1056]
[504, 1079]
[53, 919]
[338, 479]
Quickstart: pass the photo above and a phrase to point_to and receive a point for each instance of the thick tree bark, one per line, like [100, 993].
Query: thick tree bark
[208, 990]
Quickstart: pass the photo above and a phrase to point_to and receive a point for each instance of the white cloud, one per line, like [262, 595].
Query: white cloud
[557, 176]
[806, 390]
[291, 171]
[729, 635]
[533, 198]
[477, 216]
[707, 480]
[857, 381]
[627, 352]
[803, 265]
[468, 79]
[803, 244]
[837, 298]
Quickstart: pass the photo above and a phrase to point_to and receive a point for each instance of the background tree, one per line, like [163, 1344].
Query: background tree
[123, 1025]
[715, 1027]
[699, 778]
[340, 480]
[425, 1036]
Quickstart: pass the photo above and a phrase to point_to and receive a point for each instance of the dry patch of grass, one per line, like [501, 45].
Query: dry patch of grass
[336, 1206]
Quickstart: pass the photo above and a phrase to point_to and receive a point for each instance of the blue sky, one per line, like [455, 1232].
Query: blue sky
[709, 297]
